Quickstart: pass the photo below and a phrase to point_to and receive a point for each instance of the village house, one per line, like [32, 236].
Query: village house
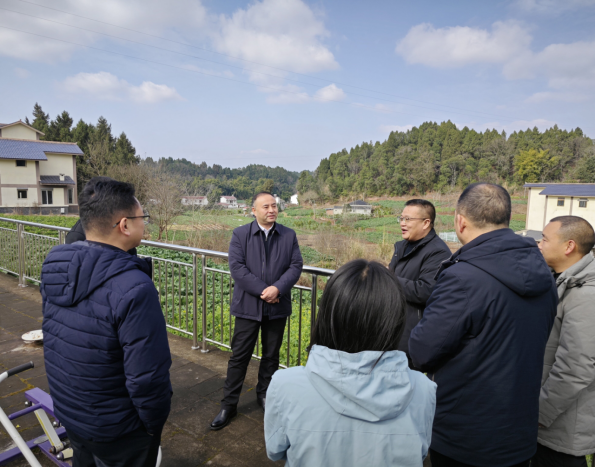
[36, 177]
[229, 202]
[549, 200]
[281, 204]
[294, 199]
[355, 207]
[195, 201]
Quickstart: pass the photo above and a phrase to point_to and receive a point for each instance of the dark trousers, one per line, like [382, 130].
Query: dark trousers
[439, 460]
[547, 457]
[246, 332]
[134, 449]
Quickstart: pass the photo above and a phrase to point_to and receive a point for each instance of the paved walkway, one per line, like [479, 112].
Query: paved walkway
[197, 381]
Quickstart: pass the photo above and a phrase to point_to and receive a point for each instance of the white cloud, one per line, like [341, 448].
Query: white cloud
[461, 45]
[285, 34]
[151, 16]
[564, 66]
[398, 128]
[286, 94]
[281, 33]
[330, 93]
[106, 86]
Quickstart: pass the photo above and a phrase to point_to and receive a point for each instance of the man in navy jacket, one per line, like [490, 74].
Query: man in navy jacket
[265, 263]
[483, 335]
[105, 342]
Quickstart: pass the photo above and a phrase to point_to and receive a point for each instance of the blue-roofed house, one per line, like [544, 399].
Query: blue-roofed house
[36, 177]
[549, 200]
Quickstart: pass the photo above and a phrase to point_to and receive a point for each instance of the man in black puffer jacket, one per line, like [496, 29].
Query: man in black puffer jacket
[483, 336]
[105, 342]
[416, 261]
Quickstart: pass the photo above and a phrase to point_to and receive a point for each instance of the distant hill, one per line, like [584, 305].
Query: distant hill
[216, 180]
[441, 156]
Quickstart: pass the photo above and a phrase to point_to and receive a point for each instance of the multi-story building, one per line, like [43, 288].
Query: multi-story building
[36, 177]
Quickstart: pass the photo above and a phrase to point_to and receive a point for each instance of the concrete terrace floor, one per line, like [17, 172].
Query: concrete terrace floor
[197, 381]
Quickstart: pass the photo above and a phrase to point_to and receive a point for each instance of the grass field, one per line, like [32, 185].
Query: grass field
[326, 241]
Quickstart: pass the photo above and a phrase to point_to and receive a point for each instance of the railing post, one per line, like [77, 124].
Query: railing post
[21, 250]
[195, 315]
[313, 305]
[61, 237]
[204, 348]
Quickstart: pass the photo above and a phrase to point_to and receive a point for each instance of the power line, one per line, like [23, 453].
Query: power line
[258, 63]
[224, 64]
[209, 74]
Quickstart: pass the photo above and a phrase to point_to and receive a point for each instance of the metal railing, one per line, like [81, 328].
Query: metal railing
[195, 293]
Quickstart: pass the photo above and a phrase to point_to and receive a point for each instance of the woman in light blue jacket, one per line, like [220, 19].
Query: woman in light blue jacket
[356, 403]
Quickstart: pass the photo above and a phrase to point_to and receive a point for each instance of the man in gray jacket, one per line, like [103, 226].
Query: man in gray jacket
[566, 422]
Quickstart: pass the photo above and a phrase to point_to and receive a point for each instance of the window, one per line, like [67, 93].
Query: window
[22, 194]
[561, 202]
[583, 202]
[21, 163]
[70, 196]
[46, 197]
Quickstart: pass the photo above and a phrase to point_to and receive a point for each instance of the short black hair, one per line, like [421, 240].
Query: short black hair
[362, 308]
[485, 204]
[425, 205]
[101, 200]
[260, 193]
[577, 229]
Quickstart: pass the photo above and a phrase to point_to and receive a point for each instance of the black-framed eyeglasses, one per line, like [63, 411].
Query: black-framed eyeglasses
[408, 219]
[145, 219]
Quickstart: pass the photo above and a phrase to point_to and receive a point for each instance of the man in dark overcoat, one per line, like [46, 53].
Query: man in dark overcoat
[483, 335]
[416, 260]
[265, 263]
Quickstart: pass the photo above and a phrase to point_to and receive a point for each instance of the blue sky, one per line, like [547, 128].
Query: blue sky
[287, 82]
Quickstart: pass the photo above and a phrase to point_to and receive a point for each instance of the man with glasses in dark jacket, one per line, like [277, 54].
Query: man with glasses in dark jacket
[483, 335]
[265, 263]
[105, 343]
[416, 260]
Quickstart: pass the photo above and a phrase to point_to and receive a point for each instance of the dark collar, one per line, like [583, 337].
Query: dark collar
[423, 241]
[481, 239]
[255, 229]
[104, 245]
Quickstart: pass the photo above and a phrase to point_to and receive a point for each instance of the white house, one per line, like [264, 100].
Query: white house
[195, 201]
[281, 204]
[36, 176]
[229, 201]
[294, 199]
[360, 207]
[548, 200]
[355, 207]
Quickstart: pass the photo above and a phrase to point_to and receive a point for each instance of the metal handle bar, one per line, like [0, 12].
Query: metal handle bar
[20, 368]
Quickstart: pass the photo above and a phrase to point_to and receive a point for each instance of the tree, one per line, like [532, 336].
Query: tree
[41, 119]
[164, 199]
[312, 197]
[124, 151]
[265, 184]
[533, 166]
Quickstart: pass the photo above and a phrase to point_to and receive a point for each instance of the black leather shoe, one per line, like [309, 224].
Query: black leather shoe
[261, 402]
[223, 418]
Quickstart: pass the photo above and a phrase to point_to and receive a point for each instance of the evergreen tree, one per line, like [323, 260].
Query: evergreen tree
[41, 120]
